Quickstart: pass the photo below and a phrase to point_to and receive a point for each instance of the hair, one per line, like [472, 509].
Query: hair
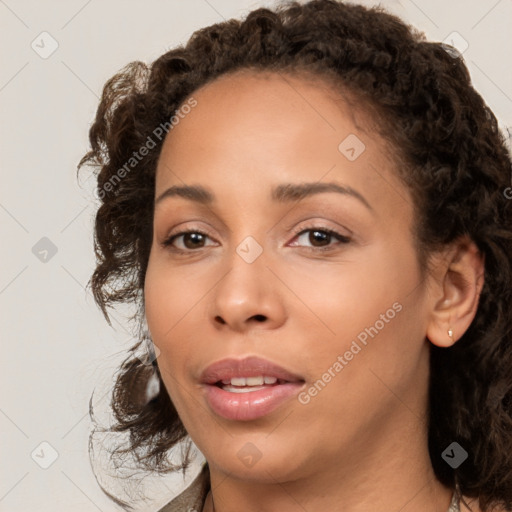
[449, 153]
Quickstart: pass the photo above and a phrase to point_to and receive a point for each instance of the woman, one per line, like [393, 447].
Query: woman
[308, 208]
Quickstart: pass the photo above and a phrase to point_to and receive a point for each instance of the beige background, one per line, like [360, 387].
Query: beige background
[57, 347]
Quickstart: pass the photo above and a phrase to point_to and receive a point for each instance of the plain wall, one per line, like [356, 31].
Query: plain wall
[57, 347]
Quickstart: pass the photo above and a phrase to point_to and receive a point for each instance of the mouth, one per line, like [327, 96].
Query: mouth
[249, 388]
[249, 384]
[250, 371]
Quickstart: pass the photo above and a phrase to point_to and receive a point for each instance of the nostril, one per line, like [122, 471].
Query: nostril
[260, 318]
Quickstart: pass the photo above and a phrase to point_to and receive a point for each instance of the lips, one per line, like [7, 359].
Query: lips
[247, 367]
[243, 403]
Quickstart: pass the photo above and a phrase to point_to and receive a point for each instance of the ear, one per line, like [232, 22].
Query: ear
[459, 278]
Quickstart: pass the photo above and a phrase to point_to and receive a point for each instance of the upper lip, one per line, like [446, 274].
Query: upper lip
[251, 366]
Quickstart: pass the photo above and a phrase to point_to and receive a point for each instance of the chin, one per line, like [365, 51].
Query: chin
[258, 460]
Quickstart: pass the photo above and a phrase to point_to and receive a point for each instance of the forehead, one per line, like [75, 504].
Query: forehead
[249, 131]
[265, 110]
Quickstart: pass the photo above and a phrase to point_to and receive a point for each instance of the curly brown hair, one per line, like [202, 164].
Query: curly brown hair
[449, 152]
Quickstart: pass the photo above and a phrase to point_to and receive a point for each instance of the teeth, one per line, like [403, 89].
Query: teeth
[246, 389]
[254, 381]
[249, 381]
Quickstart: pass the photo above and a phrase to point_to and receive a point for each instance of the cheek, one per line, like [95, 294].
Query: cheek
[167, 296]
[172, 304]
[165, 304]
[163, 311]
[345, 297]
[357, 376]
[368, 311]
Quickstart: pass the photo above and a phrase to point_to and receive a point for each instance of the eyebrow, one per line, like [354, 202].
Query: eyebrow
[283, 193]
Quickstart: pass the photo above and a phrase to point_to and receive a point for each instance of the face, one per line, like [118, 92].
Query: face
[325, 284]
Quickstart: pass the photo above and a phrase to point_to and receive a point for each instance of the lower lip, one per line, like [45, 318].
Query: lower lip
[250, 405]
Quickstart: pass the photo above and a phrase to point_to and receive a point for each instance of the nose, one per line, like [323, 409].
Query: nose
[249, 296]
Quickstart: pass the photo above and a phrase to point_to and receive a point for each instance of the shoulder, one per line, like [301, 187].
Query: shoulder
[193, 497]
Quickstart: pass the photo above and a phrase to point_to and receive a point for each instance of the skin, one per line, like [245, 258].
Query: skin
[360, 444]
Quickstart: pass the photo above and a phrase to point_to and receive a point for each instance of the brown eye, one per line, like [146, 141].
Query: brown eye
[320, 238]
[190, 240]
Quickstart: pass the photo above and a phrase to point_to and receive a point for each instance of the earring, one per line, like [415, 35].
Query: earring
[152, 387]
[153, 384]
[450, 333]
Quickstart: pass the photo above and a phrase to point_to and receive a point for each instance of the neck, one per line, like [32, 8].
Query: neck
[391, 473]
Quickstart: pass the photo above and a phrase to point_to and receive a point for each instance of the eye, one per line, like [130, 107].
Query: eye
[320, 238]
[191, 240]
[321, 235]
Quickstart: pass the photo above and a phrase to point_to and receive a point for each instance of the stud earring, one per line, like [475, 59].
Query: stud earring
[450, 334]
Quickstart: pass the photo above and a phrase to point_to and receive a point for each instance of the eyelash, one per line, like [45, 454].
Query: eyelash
[167, 243]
